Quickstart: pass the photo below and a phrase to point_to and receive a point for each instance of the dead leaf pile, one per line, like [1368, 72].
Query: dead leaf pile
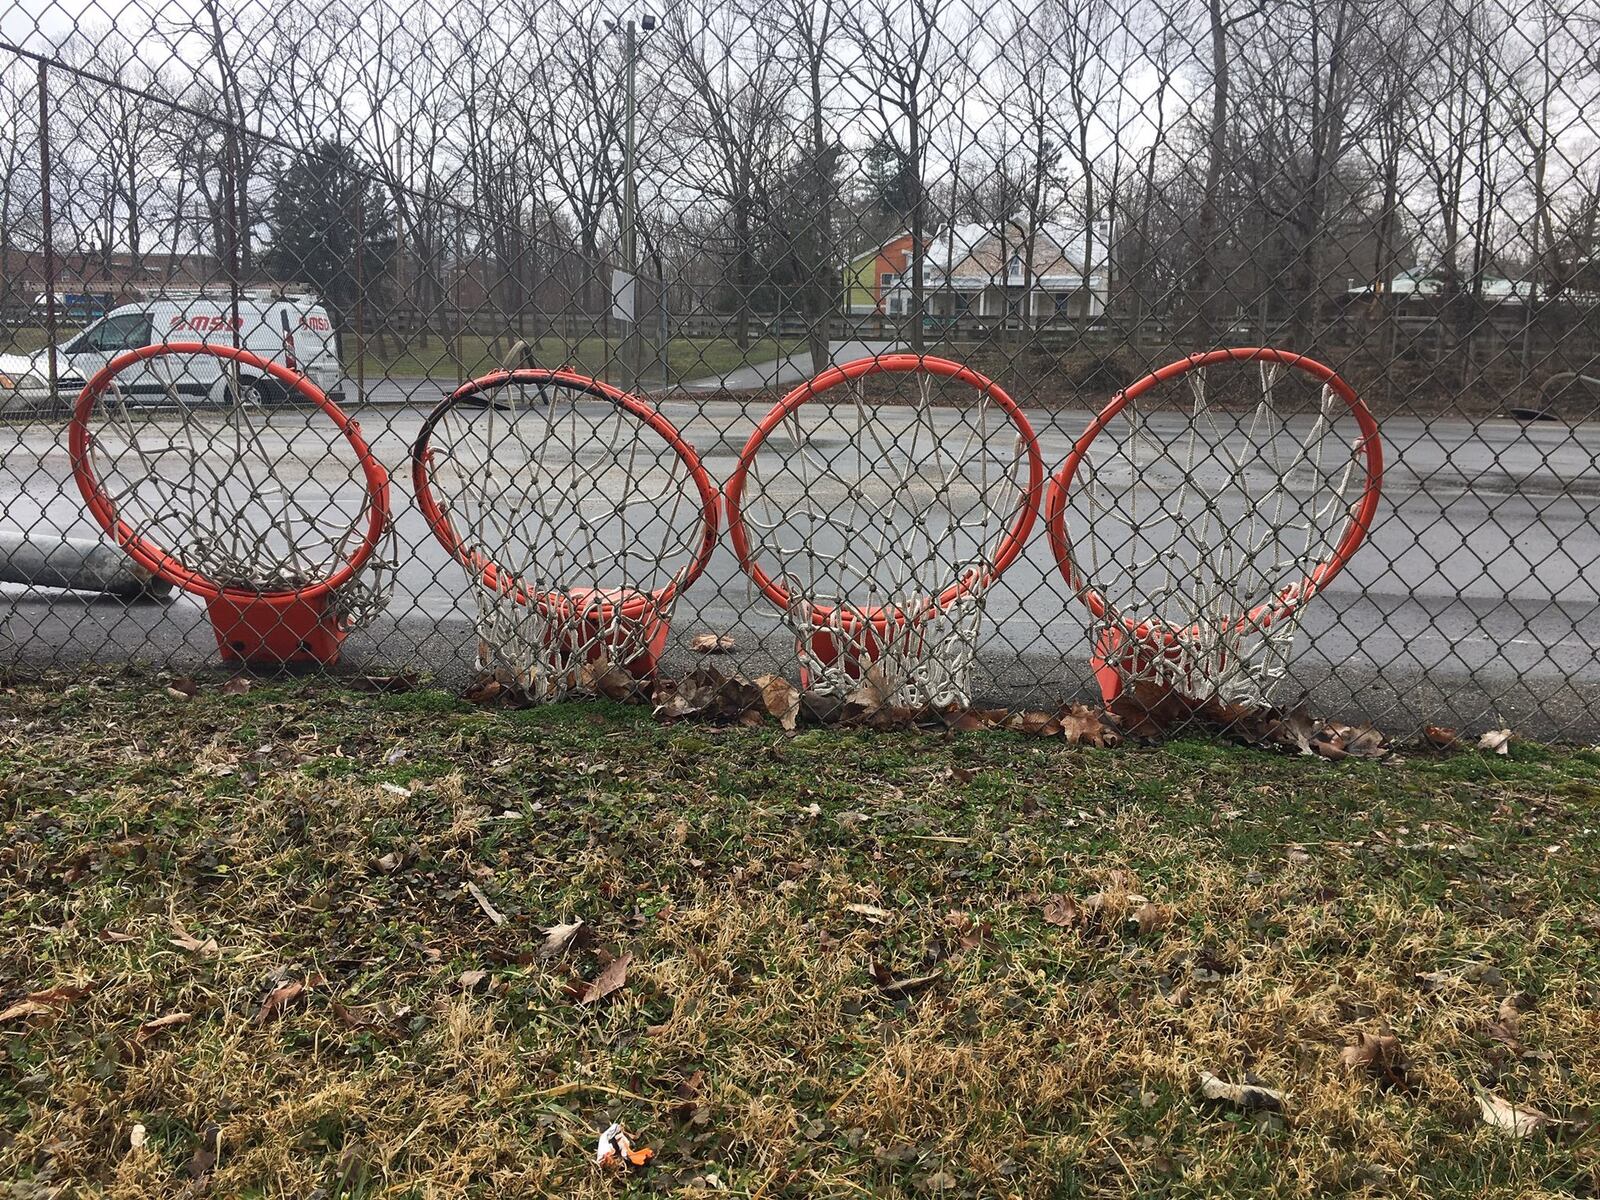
[1118, 908]
[1144, 711]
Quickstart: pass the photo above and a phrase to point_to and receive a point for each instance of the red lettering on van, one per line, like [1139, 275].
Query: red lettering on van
[321, 324]
[205, 323]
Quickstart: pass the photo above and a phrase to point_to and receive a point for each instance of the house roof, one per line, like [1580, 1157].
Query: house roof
[874, 251]
[975, 254]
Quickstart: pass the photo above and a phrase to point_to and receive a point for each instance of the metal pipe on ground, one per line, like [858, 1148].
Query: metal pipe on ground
[77, 564]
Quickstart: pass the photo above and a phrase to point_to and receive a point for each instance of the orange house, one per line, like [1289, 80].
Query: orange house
[872, 275]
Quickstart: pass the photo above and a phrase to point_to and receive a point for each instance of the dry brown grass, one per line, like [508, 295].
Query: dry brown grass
[778, 1033]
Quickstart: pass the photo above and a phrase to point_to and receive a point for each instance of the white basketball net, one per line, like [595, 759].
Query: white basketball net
[1200, 510]
[876, 499]
[580, 507]
[260, 498]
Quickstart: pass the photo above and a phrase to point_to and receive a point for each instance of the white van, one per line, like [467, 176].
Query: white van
[294, 331]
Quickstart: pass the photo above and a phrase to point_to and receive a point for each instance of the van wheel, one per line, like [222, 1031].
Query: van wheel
[257, 391]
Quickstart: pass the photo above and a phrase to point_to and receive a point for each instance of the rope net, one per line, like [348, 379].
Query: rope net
[580, 524]
[252, 490]
[1205, 515]
[879, 509]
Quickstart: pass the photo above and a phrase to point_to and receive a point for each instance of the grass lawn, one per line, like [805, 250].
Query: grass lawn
[687, 358]
[260, 937]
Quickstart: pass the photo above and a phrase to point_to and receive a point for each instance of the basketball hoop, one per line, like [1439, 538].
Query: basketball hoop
[1226, 491]
[578, 531]
[880, 554]
[205, 488]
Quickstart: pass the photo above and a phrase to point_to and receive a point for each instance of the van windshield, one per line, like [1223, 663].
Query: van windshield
[127, 331]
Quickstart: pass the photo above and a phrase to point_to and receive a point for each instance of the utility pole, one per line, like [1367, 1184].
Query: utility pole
[630, 249]
[632, 340]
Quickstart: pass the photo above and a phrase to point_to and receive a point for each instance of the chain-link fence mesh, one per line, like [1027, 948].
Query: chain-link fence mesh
[706, 206]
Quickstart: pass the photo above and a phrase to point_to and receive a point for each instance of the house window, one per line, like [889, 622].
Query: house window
[886, 280]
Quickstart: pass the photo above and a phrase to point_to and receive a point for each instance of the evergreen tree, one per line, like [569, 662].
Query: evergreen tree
[318, 196]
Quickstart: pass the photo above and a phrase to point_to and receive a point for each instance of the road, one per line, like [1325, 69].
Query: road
[1473, 601]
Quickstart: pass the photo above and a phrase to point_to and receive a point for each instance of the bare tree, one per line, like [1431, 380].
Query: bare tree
[903, 48]
[734, 113]
[811, 25]
[1204, 299]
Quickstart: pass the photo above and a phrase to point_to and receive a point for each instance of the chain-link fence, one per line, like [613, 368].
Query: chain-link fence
[671, 217]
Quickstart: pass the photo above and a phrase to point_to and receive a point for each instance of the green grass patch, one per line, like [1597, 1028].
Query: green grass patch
[298, 940]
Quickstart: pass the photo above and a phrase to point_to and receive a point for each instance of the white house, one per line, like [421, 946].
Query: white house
[979, 270]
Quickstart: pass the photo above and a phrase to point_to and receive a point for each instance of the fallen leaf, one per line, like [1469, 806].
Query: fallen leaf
[1061, 910]
[239, 685]
[1516, 1120]
[61, 993]
[489, 910]
[394, 789]
[150, 1028]
[609, 980]
[780, 699]
[1291, 730]
[1035, 723]
[187, 941]
[205, 1155]
[137, 1137]
[1441, 737]
[558, 937]
[1496, 740]
[389, 863]
[873, 691]
[713, 643]
[1363, 741]
[1150, 710]
[897, 989]
[1379, 1054]
[279, 998]
[970, 933]
[25, 1008]
[1083, 726]
[1241, 1095]
[690, 696]
[113, 935]
[605, 678]
[1150, 916]
[870, 911]
[470, 980]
